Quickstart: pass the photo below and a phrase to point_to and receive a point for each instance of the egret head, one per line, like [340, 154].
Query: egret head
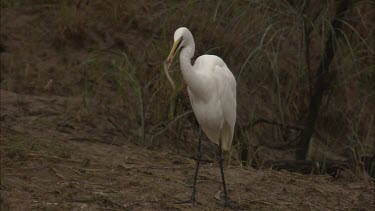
[182, 38]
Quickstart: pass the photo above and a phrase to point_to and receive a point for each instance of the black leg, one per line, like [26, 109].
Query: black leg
[198, 157]
[226, 197]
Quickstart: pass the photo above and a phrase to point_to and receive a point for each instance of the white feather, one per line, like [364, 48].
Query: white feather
[212, 91]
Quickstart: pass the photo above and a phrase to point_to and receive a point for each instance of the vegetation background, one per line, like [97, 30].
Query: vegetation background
[91, 71]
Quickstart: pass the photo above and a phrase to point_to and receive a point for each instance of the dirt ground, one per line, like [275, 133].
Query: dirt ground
[57, 155]
[51, 163]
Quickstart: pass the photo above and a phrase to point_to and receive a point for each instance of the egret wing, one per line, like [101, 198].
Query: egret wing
[226, 86]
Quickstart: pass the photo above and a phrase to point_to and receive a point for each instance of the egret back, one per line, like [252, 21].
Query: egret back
[214, 104]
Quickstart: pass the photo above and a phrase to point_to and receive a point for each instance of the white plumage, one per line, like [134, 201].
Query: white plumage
[215, 105]
[212, 92]
[211, 87]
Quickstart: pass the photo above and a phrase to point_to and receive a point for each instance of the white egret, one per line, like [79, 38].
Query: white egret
[212, 91]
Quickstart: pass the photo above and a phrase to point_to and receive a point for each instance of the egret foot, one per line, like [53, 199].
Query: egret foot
[199, 156]
[232, 205]
[227, 202]
[190, 201]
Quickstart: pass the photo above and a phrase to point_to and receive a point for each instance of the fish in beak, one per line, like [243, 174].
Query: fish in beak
[169, 60]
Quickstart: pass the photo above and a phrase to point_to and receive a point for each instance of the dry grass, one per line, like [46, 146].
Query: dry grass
[81, 79]
[110, 53]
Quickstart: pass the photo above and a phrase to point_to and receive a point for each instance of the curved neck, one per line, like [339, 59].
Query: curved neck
[185, 58]
[191, 77]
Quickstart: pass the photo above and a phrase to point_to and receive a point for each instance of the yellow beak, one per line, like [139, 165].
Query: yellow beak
[173, 52]
[169, 61]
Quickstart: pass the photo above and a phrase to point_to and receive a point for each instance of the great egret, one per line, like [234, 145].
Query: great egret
[212, 91]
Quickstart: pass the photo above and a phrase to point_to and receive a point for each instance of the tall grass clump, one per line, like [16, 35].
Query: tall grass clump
[272, 47]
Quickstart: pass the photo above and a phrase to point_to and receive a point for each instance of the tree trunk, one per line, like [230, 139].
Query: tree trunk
[322, 81]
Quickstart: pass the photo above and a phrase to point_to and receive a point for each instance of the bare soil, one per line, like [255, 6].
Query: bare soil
[57, 166]
[57, 155]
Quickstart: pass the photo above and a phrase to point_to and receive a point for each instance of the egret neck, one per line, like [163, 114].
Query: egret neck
[190, 76]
